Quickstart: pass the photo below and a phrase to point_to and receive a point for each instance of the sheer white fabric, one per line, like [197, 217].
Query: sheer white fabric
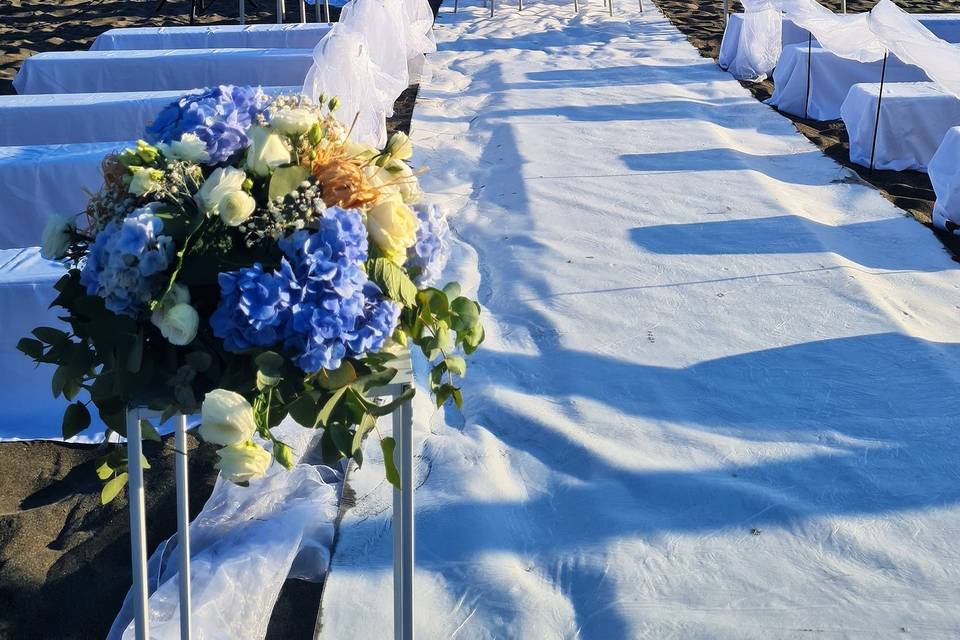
[845, 35]
[244, 543]
[384, 25]
[730, 46]
[945, 175]
[342, 67]
[759, 44]
[420, 39]
[912, 42]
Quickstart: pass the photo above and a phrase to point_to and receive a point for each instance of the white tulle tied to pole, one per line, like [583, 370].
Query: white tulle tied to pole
[760, 41]
[913, 43]
[244, 543]
[342, 67]
[420, 39]
[384, 25]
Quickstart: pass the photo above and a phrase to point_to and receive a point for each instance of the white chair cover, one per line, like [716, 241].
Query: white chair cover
[759, 41]
[945, 175]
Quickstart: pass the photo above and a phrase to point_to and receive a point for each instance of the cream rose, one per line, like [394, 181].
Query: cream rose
[236, 207]
[293, 121]
[226, 418]
[56, 238]
[144, 180]
[179, 324]
[189, 147]
[393, 227]
[266, 152]
[243, 461]
[222, 183]
[406, 182]
[399, 147]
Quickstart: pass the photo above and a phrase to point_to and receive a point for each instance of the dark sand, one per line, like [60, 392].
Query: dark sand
[702, 22]
[64, 558]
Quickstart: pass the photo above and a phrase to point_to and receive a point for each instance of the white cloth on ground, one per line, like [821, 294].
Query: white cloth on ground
[256, 36]
[243, 545]
[159, 70]
[39, 181]
[30, 412]
[830, 80]
[944, 173]
[913, 43]
[914, 117]
[85, 117]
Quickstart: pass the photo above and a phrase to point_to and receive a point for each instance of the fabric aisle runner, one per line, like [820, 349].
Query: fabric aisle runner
[718, 394]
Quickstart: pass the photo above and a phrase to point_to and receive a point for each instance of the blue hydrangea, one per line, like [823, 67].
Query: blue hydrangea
[429, 253]
[125, 262]
[220, 117]
[254, 307]
[319, 305]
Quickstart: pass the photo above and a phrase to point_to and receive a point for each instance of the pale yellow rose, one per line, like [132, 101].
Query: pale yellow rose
[393, 227]
[295, 121]
[400, 147]
[243, 461]
[236, 207]
[267, 152]
[226, 418]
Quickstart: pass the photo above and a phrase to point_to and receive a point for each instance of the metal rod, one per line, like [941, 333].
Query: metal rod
[303, 12]
[519, 5]
[726, 11]
[397, 541]
[279, 11]
[138, 524]
[326, 11]
[843, 5]
[876, 124]
[641, 6]
[183, 526]
[456, 6]
[610, 5]
[406, 510]
[243, 12]
[576, 6]
[492, 3]
[806, 98]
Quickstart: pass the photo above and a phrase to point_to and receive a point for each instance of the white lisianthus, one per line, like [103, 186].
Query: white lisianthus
[56, 238]
[295, 121]
[399, 147]
[223, 182]
[226, 418]
[235, 207]
[243, 461]
[189, 147]
[267, 152]
[144, 180]
[393, 227]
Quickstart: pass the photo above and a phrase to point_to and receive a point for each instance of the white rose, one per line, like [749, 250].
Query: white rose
[243, 461]
[144, 180]
[189, 147]
[56, 238]
[393, 227]
[293, 121]
[178, 324]
[266, 152]
[226, 418]
[236, 207]
[406, 182]
[221, 183]
[400, 147]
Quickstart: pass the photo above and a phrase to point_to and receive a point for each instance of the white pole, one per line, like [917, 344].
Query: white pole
[138, 524]
[326, 11]
[726, 11]
[279, 11]
[844, 3]
[183, 525]
[406, 509]
[397, 541]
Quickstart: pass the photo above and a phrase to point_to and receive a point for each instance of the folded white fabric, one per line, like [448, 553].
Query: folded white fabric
[256, 36]
[85, 117]
[944, 173]
[830, 79]
[914, 118]
[30, 411]
[160, 70]
[39, 181]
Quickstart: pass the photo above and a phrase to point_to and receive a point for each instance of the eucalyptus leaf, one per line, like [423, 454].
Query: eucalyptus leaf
[393, 281]
[30, 347]
[76, 418]
[113, 488]
[389, 446]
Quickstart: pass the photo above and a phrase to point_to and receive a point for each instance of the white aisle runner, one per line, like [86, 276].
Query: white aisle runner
[719, 393]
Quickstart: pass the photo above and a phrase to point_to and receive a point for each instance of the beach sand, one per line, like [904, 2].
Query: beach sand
[702, 22]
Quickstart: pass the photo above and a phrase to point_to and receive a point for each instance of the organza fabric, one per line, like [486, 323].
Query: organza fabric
[759, 44]
[944, 173]
[383, 24]
[420, 39]
[244, 543]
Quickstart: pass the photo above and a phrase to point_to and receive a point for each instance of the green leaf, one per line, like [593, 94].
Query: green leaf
[342, 438]
[389, 445]
[457, 365]
[375, 379]
[466, 314]
[393, 280]
[367, 423]
[283, 454]
[304, 410]
[135, 359]
[323, 416]
[286, 180]
[59, 380]
[473, 338]
[394, 404]
[452, 290]
[76, 418]
[31, 347]
[433, 305]
[148, 432]
[112, 488]
[104, 471]
[199, 360]
[342, 376]
[50, 335]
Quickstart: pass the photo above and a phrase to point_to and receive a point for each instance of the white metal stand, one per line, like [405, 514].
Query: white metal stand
[138, 522]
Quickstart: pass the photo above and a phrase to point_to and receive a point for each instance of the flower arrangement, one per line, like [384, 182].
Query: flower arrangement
[248, 261]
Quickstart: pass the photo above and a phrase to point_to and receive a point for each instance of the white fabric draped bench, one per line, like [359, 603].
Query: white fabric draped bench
[914, 118]
[160, 70]
[39, 181]
[944, 173]
[86, 117]
[256, 36]
[26, 291]
[830, 80]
